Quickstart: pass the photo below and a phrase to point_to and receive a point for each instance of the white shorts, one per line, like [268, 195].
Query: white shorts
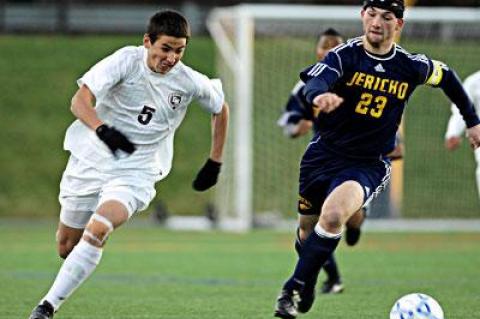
[83, 189]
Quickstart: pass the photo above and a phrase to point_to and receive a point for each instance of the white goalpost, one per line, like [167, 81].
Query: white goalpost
[260, 51]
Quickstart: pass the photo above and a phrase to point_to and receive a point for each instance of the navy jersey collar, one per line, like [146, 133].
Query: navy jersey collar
[382, 57]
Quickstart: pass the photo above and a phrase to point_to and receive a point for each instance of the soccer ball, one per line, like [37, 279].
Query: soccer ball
[416, 306]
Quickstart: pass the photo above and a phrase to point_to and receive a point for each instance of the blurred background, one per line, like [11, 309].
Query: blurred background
[46, 45]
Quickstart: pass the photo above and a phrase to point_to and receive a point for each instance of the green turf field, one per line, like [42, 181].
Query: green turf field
[153, 273]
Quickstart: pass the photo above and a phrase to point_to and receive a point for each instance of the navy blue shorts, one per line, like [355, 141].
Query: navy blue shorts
[321, 171]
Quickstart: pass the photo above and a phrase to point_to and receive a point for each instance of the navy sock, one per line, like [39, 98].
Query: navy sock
[315, 252]
[298, 243]
[331, 269]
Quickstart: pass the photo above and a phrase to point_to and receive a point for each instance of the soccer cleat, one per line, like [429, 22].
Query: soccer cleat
[43, 311]
[307, 297]
[332, 287]
[352, 235]
[287, 305]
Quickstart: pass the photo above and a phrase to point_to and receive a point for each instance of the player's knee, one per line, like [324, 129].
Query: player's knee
[331, 218]
[97, 231]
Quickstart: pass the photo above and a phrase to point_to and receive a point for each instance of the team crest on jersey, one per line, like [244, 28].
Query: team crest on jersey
[174, 99]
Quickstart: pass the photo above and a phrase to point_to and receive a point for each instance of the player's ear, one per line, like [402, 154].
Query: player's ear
[146, 41]
[399, 23]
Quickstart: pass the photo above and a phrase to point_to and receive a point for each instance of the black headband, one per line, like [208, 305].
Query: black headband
[395, 6]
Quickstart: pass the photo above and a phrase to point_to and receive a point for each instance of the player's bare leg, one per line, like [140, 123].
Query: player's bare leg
[84, 257]
[67, 239]
[352, 232]
[344, 201]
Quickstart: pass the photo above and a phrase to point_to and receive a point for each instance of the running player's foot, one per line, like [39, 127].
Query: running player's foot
[352, 235]
[43, 311]
[287, 305]
[332, 287]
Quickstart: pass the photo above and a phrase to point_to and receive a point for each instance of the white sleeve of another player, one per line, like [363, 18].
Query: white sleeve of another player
[209, 93]
[107, 73]
[456, 124]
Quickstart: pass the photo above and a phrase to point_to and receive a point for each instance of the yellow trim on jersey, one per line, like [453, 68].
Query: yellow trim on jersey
[437, 73]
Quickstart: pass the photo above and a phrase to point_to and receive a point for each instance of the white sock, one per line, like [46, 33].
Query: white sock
[78, 266]
[323, 233]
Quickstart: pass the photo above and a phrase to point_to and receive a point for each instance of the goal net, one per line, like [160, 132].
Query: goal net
[260, 51]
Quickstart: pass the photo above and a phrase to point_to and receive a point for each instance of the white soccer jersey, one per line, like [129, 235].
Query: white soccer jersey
[456, 125]
[145, 106]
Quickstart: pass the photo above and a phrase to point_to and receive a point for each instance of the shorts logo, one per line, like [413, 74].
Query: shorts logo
[304, 204]
[174, 99]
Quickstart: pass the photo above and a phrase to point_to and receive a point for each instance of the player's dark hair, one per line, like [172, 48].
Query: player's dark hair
[168, 22]
[395, 6]
[331, 32]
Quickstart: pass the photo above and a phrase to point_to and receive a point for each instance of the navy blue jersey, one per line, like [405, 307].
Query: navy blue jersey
[297, 108]
[375, 90]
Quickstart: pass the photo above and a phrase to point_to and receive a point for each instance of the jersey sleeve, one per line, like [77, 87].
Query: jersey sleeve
[456, 126]
[209, 93]
[107, 73]
[322, 76]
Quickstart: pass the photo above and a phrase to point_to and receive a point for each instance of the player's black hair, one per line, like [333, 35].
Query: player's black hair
[395, 6]
[331, 32]
[168, 22]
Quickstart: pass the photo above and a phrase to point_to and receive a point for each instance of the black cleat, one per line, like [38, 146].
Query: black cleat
[332, 287]
[352, 235]
[43, 311]
[307, 297]
[287, 305]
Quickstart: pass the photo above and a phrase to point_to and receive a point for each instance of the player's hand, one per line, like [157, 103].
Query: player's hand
[452, 143]
[114, 139]
[326, 102]
[207, 176]
[473, 134]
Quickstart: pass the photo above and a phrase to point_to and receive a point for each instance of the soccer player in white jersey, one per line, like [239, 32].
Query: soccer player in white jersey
[456, 127]
[128, 107]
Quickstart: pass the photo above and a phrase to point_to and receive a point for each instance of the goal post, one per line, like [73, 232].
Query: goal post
[260, 51]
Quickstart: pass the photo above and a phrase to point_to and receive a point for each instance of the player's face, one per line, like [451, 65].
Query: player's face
[380, 26]
[164, 53]
[325, 44]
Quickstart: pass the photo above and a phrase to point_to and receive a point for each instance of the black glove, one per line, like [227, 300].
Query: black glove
[114, 139]
[207, 176]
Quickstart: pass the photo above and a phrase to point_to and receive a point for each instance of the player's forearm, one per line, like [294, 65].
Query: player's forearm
[82, 108]
[314, 88]
[219, 133]
[453, 88]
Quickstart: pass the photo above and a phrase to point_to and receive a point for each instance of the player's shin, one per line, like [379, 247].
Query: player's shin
[315, 251]
[77, 267]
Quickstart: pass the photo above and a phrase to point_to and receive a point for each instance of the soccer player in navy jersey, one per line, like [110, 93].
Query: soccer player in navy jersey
[297, 120]
[359, 92]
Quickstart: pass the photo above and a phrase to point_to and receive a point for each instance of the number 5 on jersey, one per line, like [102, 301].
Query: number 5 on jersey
[146, 115]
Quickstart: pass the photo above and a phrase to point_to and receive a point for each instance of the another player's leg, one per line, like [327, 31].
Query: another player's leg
[342, 202]
[84, 257]
[353, 227]
[333, 283]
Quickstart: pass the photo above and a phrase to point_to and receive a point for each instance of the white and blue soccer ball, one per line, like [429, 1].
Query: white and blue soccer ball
[416, 306]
